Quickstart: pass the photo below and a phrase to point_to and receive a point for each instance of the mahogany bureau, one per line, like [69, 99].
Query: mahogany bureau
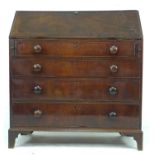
[73, 71]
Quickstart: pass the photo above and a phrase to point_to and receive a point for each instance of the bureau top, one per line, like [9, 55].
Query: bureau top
[69, 24]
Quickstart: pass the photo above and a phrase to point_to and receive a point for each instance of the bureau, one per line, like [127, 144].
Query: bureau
[76, 71]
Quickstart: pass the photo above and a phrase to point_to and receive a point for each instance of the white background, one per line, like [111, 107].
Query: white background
[109, 145]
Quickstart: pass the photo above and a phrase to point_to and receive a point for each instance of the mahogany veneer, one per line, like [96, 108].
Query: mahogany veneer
[76, 71]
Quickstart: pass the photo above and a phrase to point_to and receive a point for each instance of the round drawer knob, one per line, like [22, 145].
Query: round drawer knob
[37, 89]
[37, 48]
[113, 91]
[114, 68]
[37, 67]
[112, 114]
[37, 113]
[113, 49]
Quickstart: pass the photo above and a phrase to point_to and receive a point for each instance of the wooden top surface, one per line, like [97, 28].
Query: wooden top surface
[70, 24]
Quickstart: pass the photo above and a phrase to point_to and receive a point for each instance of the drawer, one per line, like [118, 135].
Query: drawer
[75, 89]
[107, 116]
[75, 48]
[45, 67]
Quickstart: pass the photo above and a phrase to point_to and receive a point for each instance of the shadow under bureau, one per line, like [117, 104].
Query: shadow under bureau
[76, 71]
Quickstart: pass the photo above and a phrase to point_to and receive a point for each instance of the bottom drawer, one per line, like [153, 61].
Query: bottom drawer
[71, 115]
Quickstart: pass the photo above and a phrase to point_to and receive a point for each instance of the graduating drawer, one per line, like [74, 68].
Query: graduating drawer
[75, 48]
[69, 115]
[45, 67]
[75, 89]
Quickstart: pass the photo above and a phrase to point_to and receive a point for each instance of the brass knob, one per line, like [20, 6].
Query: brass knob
[37, 48]
[113, 49]
[113, 91]
[37, 89]
[37, 113]
[112, 114]
[37, 67]
[114, 68]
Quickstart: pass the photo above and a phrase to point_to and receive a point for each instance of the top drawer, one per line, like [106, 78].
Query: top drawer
[75, 48]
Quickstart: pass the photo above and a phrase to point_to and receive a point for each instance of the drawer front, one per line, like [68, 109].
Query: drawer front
[71, 48]
[76, 89]
[75, 67]
[107, 116]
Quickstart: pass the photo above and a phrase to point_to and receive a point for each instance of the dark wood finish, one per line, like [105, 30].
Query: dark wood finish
[74, 48]
[12, 135]
[138, 136]
[73, 71]
[76, 67]
[139, 139]
[99, 24]
[75, 89]
[76, 115]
